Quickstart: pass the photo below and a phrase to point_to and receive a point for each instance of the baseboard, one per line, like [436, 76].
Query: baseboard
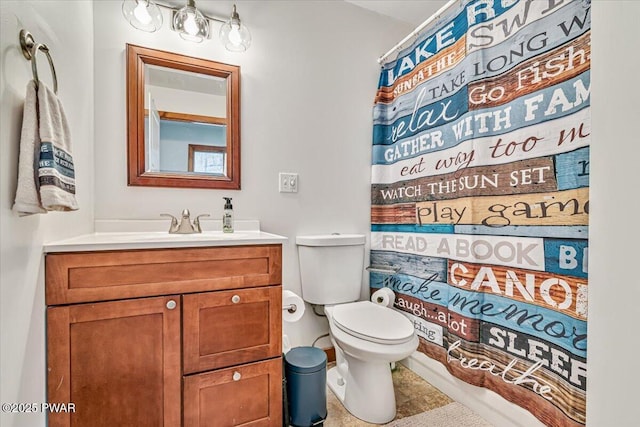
[331, 354]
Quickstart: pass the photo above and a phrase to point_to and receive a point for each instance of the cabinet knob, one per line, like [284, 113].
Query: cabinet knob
[171, 304]
[236, 376]
[235, 299]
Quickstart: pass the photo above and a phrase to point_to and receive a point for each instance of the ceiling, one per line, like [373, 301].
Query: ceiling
[414, 12]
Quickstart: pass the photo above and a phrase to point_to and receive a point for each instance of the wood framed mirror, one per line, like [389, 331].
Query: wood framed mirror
[175, 103]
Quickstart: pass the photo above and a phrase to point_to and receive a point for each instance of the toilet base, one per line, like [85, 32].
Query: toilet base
[367, 390]
[333, 381]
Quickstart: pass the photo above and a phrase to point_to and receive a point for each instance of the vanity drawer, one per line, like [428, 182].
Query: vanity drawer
[248, 395]
[229, 328]
[108, 275]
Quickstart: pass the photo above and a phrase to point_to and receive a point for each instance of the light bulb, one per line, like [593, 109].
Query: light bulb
[144, 15]
[190, 25]
[234, 35]
[141, 13]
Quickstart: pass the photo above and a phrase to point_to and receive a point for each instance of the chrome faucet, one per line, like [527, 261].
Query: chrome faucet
[184, 226]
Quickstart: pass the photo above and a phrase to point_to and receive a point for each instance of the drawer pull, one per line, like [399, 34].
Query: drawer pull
[235, 299]
[171, 304]
[236, 376]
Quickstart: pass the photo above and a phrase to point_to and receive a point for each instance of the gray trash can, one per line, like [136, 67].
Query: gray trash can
[306, 375]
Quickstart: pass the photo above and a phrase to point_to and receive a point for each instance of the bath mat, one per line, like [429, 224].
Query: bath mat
[453, 414]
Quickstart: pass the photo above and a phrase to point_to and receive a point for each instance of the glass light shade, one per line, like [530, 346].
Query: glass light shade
[191, 24]
[144, 15]
[234, 34]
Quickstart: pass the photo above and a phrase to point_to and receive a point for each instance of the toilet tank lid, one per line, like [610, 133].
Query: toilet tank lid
[331, 240]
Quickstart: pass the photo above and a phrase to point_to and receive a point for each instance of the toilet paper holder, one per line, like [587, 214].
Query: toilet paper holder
[291, 308]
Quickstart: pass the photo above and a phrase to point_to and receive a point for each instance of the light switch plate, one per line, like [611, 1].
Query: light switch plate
[288, 182]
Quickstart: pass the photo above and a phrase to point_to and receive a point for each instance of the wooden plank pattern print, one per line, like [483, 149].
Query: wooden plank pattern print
[397, 214]
[561, 293]
[521, 177]
[480, 197]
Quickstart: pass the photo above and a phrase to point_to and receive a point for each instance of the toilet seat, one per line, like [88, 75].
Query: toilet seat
[372, 322]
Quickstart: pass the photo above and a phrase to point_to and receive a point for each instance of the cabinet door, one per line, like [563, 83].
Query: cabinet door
[117, 362]
[231, 327]
[248, 395]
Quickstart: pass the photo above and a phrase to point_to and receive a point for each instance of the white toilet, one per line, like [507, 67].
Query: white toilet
[367, 336]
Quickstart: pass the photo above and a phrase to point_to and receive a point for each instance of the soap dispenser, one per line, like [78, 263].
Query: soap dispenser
[227, 216]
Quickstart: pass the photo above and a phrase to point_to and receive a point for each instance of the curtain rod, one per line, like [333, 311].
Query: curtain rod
[417, 30]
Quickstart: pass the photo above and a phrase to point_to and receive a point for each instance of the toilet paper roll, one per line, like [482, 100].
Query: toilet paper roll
[383, 296]
[292, 299]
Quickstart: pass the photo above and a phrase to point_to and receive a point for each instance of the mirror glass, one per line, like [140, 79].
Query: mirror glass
[183, 115]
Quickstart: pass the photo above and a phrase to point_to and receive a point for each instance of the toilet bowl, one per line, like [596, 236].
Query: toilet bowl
[367, 338]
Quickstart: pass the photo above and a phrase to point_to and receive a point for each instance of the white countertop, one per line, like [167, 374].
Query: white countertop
[103, 241]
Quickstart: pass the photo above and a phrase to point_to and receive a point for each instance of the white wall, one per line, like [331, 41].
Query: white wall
[307, 83]
[614, 292]
[22, 307]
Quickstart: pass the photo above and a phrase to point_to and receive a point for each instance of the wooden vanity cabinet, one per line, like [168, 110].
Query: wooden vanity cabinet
[165, 337]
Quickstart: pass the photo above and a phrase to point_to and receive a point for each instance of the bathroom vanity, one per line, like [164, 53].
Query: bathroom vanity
[151, 329]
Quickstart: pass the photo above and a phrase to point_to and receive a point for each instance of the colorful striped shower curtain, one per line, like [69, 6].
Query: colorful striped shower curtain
[480, 197]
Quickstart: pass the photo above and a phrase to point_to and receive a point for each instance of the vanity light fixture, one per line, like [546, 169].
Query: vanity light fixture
[189, 22]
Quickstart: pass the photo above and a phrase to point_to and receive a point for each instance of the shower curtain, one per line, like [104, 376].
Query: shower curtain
[480, 197]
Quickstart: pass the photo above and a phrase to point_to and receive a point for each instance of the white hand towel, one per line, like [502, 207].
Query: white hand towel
[27, 201]
[55, 169]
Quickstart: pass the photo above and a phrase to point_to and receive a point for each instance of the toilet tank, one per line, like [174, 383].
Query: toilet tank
[331, 267]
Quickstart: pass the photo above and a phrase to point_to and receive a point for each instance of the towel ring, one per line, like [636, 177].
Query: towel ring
[29, 49]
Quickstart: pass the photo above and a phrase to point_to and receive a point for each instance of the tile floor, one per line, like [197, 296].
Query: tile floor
[413, 396]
